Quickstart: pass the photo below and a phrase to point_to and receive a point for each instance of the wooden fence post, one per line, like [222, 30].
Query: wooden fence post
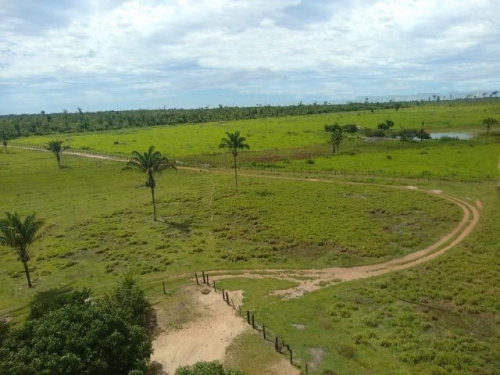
[264, 331]
[223, 296]
[208, 282]
[253, 321]
[276, 344]
[196, 275]
[227, 298]
[248, 317]
[291, 356]
[203, 274]
[164, 291]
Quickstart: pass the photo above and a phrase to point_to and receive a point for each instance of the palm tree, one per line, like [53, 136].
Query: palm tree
[150, 162]
[20, 235]
[234, 142]
[489, 122]
[57, 148]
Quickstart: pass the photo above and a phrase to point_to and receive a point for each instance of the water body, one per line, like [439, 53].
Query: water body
[461, 136]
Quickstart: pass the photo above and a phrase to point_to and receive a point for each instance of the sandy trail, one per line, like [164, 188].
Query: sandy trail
[208, 337]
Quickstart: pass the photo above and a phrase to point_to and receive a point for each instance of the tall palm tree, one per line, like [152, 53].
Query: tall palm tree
[150, 162]
[57, 148]
[234, 143]
[489, 122]
[20, 235]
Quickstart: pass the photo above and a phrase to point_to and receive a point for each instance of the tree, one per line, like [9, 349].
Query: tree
[151, 162]
[489, 122]
[234, 143]
[336, 136]
[4, 141]
[77, 338]
[20, 235]
[57, 148]
[386, 125]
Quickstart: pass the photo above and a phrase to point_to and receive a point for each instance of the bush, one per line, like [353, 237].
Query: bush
[206, 368]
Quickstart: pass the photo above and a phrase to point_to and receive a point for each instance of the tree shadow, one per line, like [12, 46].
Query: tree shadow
[184, 227]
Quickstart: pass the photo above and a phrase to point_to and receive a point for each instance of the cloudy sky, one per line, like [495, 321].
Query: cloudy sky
[112, 54]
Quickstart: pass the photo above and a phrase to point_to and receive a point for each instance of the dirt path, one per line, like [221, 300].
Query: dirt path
[208, 337]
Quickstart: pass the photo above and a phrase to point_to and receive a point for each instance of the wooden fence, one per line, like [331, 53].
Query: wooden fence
[280, 345]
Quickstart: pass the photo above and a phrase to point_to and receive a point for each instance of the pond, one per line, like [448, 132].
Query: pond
[461, 136]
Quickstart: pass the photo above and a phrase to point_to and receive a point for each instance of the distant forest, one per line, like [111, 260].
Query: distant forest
[13, 126]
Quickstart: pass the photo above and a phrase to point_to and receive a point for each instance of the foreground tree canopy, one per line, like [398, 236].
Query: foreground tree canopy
[81, 337]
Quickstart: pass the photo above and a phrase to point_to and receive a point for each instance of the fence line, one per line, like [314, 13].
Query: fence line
[441, 176]
[280, 345]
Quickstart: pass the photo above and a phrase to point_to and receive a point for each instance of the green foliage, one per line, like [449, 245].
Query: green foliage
[386, 125]
[57, 148]
[19, 235]
[47, 301]
[234, 142]
[489, 122]
[206, 368]
[150, 162]
[70, 334]
[131, 301]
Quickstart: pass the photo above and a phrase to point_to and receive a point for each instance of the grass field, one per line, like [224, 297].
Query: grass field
[442, 317]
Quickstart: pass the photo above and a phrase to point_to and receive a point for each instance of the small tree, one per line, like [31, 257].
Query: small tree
[336, 133]
[386, 125]
[20, 235]
[4, 141]
[234, 143]
[149, 162]
[489, 122]
[57, 148]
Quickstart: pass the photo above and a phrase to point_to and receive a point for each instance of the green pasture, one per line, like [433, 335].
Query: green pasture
[442, 317]
[184, 141]
[99, 222]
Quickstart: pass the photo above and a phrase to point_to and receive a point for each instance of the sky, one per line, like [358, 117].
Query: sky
[150, 54]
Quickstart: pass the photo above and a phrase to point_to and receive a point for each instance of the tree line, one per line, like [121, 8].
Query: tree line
[14, 126]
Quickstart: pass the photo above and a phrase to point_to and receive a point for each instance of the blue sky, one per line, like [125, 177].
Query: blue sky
[113, 55]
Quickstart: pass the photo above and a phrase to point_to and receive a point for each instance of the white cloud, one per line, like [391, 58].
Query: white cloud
[326, 48]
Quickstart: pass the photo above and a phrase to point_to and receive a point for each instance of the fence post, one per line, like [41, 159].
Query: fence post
[215, 288]
[196, 275]
[164, 291]
[248, 317]
[264, 331]
[291, 356]
[223, 296]
[203, 274]
[253, 321]
[227, 298]
[276, 347]
[208, 283]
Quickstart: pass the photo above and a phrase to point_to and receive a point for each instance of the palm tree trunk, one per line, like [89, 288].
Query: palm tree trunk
[27, 272]
[236, 173]
[154, 202]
